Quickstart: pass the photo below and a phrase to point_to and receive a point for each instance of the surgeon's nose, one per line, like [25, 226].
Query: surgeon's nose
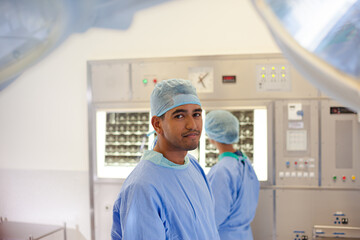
[191, 123]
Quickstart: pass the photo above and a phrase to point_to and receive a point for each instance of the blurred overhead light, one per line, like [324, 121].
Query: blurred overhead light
[321, 38]
[29, 30]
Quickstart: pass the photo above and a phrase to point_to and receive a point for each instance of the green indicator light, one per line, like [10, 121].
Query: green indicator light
[273, 75]
[263, 76]
[145, 81]
[334, 178]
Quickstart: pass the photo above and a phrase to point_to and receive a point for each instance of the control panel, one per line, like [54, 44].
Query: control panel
[273, 77]
[298, 210]
[296, 139]
[340, 218]
[300, 235]
[339, 228]
[226, 77]
[340, 135]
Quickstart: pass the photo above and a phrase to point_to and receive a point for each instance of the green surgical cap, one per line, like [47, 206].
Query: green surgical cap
[169, 94]
[222, 126]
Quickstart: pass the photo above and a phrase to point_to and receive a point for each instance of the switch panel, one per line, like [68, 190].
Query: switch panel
[340, 146]
[296, 138]
[273, 77]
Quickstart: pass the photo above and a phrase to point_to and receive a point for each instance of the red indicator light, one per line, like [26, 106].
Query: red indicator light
[155, 80]
[344, 178]
[295, 163]
[229, 79]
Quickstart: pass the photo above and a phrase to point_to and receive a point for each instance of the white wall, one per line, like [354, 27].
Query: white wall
[43, 114]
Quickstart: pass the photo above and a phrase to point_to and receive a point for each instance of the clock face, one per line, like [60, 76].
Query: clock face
[202, 78]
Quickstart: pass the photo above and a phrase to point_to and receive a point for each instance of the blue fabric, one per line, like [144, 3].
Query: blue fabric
[236, 191]
[159, 202]
[169, 94]
[159, 159]
[222, 126]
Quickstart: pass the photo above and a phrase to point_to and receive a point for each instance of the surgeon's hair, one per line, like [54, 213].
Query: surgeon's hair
[162, 117]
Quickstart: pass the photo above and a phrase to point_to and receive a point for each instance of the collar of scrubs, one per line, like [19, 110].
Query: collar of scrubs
[230, 154]
[160, 160]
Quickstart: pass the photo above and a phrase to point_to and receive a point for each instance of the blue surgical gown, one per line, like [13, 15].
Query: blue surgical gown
[236, 191]
[162, 200]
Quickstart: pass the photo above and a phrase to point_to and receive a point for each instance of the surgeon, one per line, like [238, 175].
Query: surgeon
[167, 195]
[233, 180]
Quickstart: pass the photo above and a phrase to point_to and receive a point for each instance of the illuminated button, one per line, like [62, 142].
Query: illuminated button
[283, 75]
[287, 164]
[145, 81]
[334, 178]
[273, 68]
[344, 178]
[283, 68]
[295, 162]
[263, 76]
[353, 177]
[273, 75]
[263, 68]
[155, 80]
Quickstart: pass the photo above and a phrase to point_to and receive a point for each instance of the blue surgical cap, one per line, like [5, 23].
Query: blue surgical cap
[222, 126]
[169, 94]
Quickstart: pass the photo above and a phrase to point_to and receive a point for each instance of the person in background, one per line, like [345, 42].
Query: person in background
[233, 180]
[167, 195]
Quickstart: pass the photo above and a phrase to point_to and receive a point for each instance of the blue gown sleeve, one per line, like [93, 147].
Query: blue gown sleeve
[137, 214]
[223, 188]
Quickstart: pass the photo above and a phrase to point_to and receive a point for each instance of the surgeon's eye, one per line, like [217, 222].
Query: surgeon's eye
[197, 114]
[178, 116]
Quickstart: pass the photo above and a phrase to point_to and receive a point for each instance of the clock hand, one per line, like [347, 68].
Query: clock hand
[205, 75]
[202, 78]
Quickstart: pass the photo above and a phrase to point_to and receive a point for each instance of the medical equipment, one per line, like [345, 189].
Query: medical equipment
[289, 130]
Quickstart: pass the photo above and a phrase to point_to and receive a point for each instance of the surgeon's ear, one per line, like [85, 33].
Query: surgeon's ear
[157, 124]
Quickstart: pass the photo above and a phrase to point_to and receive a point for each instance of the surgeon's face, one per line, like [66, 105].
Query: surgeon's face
[181, 127]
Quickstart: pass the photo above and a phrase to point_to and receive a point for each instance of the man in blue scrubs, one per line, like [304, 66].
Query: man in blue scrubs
[233, 180]
[167, 195]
